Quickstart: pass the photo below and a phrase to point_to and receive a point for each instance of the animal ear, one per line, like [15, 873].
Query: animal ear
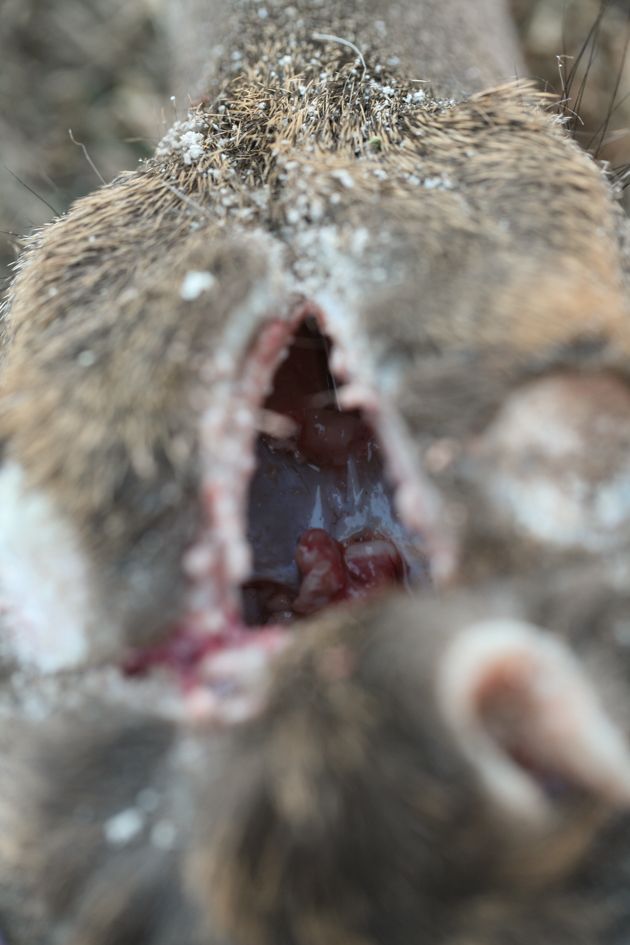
[529, 720]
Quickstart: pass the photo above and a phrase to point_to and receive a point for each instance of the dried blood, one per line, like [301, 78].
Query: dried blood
[181, 652]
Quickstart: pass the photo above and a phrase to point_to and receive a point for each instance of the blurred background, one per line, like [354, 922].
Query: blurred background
[100, 68]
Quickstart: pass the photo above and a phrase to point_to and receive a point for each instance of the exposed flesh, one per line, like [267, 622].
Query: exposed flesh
[322, 523]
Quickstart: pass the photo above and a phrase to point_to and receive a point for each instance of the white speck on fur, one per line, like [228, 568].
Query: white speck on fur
[195, 283]
[122, 828]
[191, 144]
[86, 358]
[185, 137]
[163, 835]
[344, 178]
[437, 183]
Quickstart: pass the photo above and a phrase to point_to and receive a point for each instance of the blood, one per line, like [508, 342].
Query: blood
[324, 577]
[333, 571]
[182, 651]
[371, 561]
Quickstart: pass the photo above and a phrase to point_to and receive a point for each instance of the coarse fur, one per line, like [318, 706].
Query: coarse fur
[367, 189]
[473, 251]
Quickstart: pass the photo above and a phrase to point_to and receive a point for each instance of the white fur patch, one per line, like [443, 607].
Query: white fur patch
[44, 579]
[557, 464]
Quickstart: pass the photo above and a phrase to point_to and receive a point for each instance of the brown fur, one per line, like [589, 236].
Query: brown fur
[502, 252]
[501, 255]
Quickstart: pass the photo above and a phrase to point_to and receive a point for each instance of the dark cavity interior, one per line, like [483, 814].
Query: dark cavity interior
[321, 518]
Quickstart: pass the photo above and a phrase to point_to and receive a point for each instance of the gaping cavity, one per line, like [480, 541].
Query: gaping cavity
[299, 502]
[321, 522]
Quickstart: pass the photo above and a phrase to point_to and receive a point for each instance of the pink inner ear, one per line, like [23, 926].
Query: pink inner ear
[529, 718]
[515, 719]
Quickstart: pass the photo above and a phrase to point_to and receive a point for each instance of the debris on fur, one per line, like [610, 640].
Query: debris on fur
[185, 137]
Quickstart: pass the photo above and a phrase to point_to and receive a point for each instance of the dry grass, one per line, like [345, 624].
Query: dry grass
[100, 67]
[550, 28]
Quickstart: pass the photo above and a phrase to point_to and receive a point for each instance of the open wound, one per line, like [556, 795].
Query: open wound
[313, 515]
[321, 519]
